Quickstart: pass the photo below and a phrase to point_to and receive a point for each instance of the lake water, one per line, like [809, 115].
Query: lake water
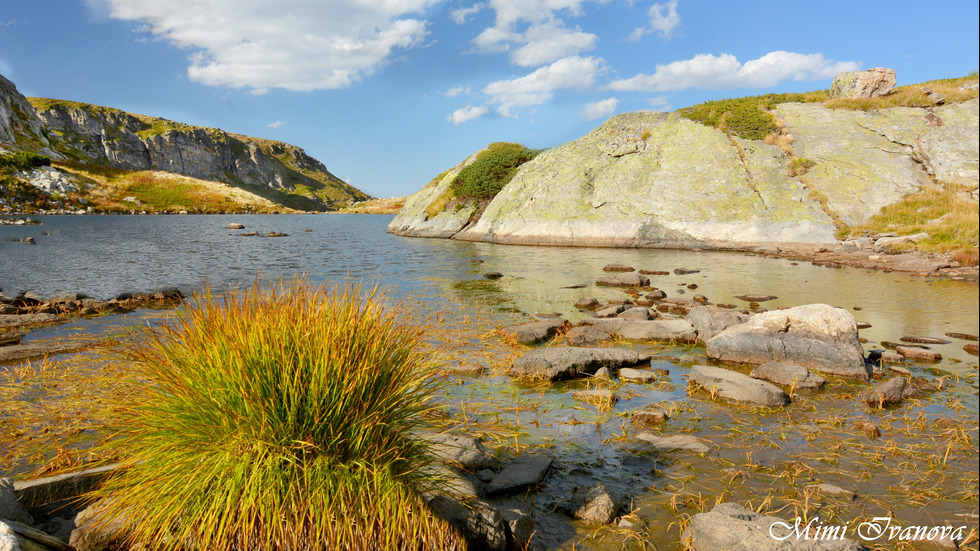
[922, 470]
[103, 256]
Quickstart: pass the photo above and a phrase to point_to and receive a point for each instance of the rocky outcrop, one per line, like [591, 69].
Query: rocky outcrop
[816, 336]
[106, 136]
[109, 137]
[661, 180]
[873, 83]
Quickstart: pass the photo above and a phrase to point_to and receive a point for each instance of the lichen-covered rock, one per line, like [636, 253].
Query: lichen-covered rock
[415, 218]
[732, 526]
[735, 386]
[817, 336]
[678, 184]
[872, 83]
[568, 362]
[708, 321]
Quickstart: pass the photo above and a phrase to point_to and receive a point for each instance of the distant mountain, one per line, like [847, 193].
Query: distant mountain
[91, 135]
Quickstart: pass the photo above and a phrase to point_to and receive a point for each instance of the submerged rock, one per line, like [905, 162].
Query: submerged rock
[461, 449]
[788, 375]
[732, 526]
[568, 362]
[677, 442]
[672, 330]
[595, 505]
[732, 385]
[817, 336]
[521, 474]
[624, 279]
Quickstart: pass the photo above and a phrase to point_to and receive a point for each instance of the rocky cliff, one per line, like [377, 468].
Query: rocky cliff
[661, 180]
[105, 136]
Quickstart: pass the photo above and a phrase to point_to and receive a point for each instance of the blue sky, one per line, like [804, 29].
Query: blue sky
[389, 93]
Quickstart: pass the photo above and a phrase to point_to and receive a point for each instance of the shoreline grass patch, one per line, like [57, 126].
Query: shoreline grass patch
[278, 419]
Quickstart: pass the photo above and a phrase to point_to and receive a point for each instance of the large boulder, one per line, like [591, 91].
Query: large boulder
[784, 374]
[568, 362]
[873, 83]
[732, 526]
[732, 385]
[817, 336]
[711, 320]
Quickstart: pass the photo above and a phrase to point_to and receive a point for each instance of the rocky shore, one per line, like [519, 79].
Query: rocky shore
[749, 362]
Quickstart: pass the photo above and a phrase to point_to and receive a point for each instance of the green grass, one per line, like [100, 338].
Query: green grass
[950, 219]
[747, 118]
[279, 419]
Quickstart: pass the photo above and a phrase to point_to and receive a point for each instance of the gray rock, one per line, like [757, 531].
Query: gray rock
[603, 373]
[480, 523]
[676, 442]
[587, 303]
[568, 362]
[732, 385]
[16, 536]
[885, 244]
[527, 471]
[53, 488]
[819, 337]
[10, 507]
[649, 417]
[594, 505]
[609, 311]
[732, 526]
[787, 375]
[638, 313]
[624, 279]
[915, 353]
[872, 83]
[585, 335]
[889, 393]
[461, 449]
[15, 320]
[618, 268]
[521, 528]
[708, 321]
[673, 330]
[637, 375]
[536, 331]
[235, 226]
[94, 532]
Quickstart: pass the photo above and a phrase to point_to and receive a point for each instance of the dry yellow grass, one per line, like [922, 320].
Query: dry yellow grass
[911, 95]
[390, 205]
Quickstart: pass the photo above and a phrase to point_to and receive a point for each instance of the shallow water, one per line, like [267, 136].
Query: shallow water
[916, 471]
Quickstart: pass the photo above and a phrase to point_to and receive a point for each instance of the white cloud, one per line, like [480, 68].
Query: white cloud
[600, 109]
[539, 86]
[467, 113]
[725, 72]
[459, 16]
[549, 41]
[457, 91]
[637, 34]
[298, 45]
[660, 103]
[664, 18]
[276, 124]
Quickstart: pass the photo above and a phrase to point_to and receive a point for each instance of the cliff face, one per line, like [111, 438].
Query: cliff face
[279, 171]
[659, 180]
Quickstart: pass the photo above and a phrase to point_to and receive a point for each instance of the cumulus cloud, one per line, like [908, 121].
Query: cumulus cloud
[664, 18]
[457, 91]
[460, 15]
[549, 41]
[276, 124]
[599, 109]
[467, 113]
[725, 72]
[540, 86]
[297, 45]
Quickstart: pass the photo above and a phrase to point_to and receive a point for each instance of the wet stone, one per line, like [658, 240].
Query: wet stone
[677, 442]
[618, 268]
[914, 353]
[524, 473]
[649, 417]
[637, 375]
[787, 375]
[595, 505]
[585, 335]
[587, 303]
[925, 340]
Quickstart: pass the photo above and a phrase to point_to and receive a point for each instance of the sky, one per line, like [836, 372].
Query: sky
[389, 93]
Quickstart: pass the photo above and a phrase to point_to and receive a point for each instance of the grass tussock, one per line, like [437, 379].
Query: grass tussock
[944, 212]
[279, 419]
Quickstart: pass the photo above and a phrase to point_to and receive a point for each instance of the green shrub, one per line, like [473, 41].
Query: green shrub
[278, 419]
[745, 117]
[24, 160]
[491, 171]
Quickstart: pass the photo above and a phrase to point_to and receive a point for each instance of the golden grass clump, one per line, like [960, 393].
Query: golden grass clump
[278, 419]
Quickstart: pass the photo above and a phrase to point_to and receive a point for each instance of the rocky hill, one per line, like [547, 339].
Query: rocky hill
[105, 137]
[663, 180]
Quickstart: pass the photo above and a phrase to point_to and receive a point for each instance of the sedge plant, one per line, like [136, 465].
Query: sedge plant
[278, 419]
